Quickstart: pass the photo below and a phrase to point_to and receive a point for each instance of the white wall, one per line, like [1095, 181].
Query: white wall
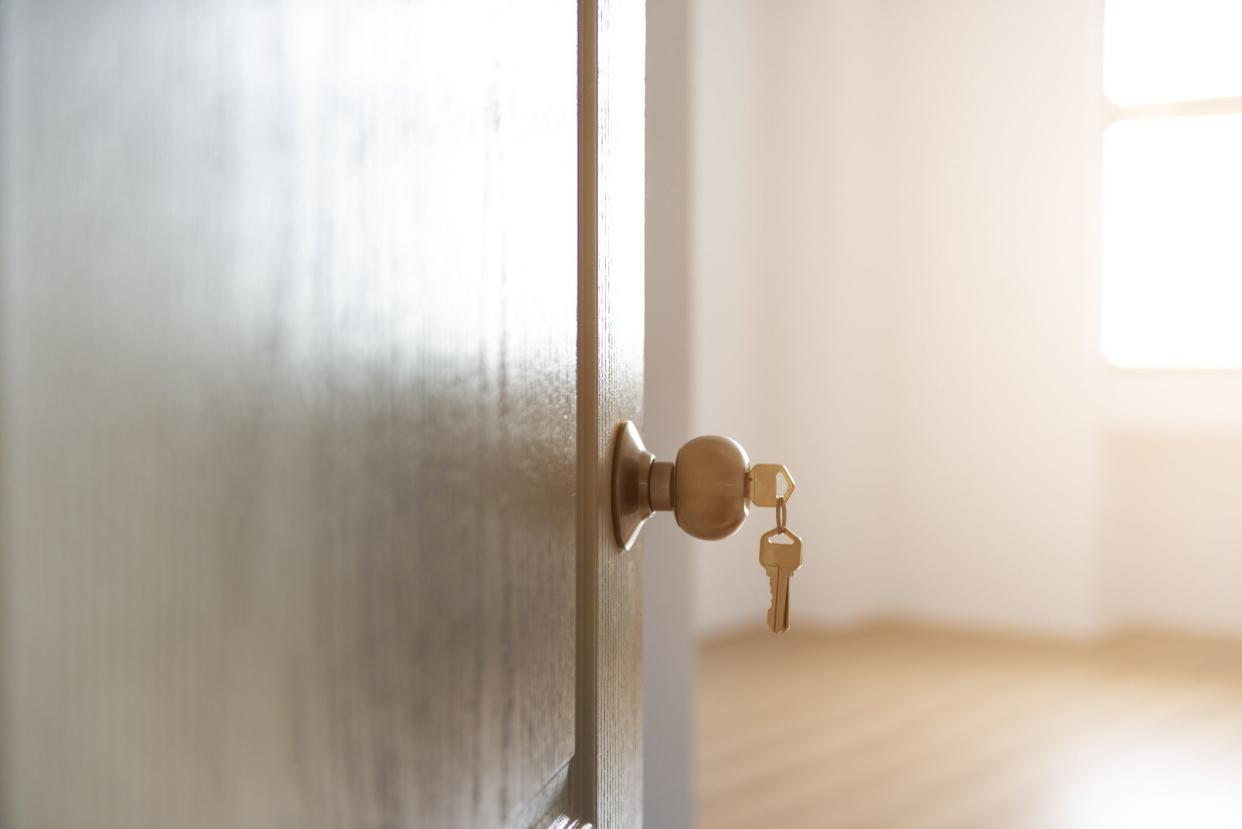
[668, 640]
[906, 190]
[791, 358]
[1171, 537]
[728, 162]
[992, 138]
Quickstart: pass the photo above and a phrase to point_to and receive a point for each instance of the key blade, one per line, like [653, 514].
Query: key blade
[781, 559]
[778, 616]
[774, 587]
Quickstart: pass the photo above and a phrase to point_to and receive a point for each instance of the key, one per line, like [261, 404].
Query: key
[781, 561]
[761, 484]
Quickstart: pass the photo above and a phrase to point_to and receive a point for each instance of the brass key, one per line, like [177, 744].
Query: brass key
[781, 560]
[762, 482]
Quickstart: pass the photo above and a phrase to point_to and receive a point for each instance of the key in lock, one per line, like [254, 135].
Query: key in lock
[709, 488]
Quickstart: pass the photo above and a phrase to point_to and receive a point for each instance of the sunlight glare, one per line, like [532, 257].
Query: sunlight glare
[1154, 788]
[1159, 51]
[1172, 256]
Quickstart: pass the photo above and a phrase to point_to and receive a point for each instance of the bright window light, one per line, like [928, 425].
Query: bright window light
[1172, 224]
[1172, 255]
[1160, 51]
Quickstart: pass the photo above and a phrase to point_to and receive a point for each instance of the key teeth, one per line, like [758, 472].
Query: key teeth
[773, 625]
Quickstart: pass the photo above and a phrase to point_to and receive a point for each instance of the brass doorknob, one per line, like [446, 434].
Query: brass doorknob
[709, 487]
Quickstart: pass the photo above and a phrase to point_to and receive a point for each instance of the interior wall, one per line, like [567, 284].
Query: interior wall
[729, 162]
[1171, 536]
[668, 638]
[992, 141]
[791, 355]
[910, 188]
[828, 292]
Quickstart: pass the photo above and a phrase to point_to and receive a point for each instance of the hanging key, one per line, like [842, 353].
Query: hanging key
[710, 489]
[781, 559]
[763, 481]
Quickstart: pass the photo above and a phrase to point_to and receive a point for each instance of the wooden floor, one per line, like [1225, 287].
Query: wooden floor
[889, 727]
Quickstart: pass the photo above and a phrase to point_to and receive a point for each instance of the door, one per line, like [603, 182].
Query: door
[317, 317]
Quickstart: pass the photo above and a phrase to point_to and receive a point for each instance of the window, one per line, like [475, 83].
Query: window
[1172, 200]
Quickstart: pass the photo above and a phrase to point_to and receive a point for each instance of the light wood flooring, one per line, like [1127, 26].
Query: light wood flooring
[888, 728]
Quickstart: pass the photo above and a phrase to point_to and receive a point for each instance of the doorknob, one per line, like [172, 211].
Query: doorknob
[709, 489]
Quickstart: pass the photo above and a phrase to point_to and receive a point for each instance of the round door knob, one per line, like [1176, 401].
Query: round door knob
[709, 487]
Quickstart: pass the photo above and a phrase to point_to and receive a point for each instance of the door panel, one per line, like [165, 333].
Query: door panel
[289, 437]
[609, 757]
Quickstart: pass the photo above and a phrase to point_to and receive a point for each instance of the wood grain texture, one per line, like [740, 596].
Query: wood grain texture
[902, 728]
[289, 322]
[608, 782]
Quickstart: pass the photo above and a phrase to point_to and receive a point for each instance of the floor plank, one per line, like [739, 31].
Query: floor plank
[889, 727]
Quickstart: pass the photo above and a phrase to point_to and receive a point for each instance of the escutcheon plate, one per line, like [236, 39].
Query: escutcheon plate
[631, 469]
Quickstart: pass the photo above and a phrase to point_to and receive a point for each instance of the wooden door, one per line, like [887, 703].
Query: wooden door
[317, 317]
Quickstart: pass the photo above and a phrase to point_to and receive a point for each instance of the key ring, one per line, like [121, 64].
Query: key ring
[780, 513]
